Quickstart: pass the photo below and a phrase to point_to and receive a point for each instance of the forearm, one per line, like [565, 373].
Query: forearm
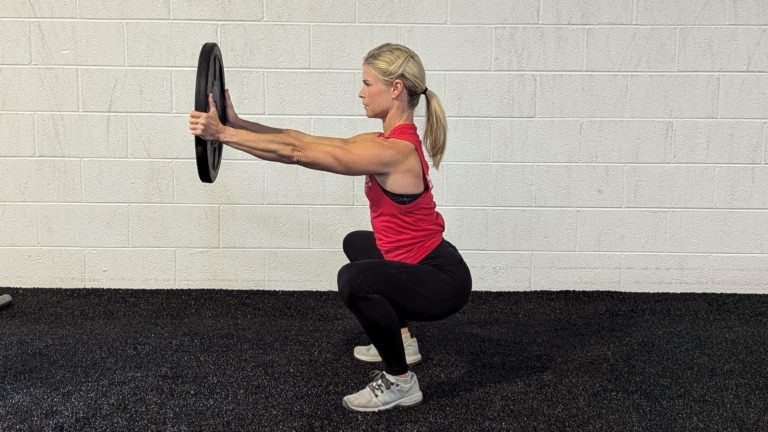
[279, 145]
[253, 126]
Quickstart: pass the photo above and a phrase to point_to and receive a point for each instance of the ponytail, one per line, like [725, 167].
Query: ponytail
[436, 131]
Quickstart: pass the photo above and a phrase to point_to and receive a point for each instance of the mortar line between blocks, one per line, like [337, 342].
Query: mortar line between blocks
[535, 95]
[474, 251]
[175, 267]
[362, 207]
[670, 157]
[166, 21]
[624, 198]
[621, 271]
[85, 267]
[352, 71]
[581, 140]
[493, 50]
[309, 230]
[586, 51]
[718, 99]
[487, 224]
[714, 181]
[29, 32]
[39, 225]
[360, 117]
[628, 92]
[266, 166]
[530, 270]
[533, 194]
[266, 271]
[82, 181]
[634, 12]
[677, 50]
[311, 58]
[79, 90]
[541, 12]
[125, 44]
[765, 139]
[264, 92]
[35, 138]
[130, 231]
[578, 218]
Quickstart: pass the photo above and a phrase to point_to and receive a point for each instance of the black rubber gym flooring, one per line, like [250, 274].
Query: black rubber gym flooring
[209, 360]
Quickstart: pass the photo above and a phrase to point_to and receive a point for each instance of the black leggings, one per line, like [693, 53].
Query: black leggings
[385, 295]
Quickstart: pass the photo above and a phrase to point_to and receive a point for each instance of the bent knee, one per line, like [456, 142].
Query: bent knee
[354, 240]
[356, 280]
[347, 280]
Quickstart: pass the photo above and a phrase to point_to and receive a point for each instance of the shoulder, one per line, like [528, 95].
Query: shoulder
[393, 147]
[364, 137]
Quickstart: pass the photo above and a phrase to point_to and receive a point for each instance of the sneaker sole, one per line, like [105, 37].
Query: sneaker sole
[410, 360]
[410, 401]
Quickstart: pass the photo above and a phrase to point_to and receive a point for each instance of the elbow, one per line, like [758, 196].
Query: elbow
[292, 152]
[295, 156]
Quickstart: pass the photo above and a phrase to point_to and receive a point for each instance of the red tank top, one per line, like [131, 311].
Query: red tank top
[409, 232]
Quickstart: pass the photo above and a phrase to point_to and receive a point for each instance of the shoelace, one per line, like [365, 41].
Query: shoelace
[380, 383]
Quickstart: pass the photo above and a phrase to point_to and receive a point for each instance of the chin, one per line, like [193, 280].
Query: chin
[373, 115]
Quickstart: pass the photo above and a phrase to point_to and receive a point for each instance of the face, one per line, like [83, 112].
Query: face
[376, 94]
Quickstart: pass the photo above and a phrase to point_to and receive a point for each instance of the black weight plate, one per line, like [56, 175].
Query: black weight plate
[210, 79]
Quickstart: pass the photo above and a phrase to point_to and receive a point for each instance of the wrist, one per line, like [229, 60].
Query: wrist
[227, 134]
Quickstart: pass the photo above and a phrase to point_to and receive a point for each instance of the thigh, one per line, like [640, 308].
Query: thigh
[361, 245]
[416, 292]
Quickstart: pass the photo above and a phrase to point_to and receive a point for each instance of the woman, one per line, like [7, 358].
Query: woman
[404, 270]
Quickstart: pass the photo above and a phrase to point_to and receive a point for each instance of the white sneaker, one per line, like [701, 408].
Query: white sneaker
[370, 354]
[385, 392]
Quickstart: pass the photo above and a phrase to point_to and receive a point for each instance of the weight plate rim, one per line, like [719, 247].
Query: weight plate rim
[209, 53]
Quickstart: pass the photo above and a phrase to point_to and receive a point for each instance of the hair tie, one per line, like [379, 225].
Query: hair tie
[425, 91]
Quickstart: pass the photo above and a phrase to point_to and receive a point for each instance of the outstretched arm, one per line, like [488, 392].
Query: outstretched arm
[362, 154]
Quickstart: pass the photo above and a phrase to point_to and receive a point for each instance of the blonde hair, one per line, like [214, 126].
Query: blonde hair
[392, 62]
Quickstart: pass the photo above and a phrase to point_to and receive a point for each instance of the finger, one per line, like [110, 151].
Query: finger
[211, 102]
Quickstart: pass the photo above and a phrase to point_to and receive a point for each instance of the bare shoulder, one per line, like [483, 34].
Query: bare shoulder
[363, 137]
[392, 146]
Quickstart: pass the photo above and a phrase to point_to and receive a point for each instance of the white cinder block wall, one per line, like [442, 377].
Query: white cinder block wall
[593, 144]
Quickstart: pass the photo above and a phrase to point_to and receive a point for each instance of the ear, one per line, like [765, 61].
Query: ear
[397, 88]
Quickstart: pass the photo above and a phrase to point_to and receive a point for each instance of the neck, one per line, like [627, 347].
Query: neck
[394, 118]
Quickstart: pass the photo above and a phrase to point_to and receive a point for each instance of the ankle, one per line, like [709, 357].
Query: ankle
[406, 377]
